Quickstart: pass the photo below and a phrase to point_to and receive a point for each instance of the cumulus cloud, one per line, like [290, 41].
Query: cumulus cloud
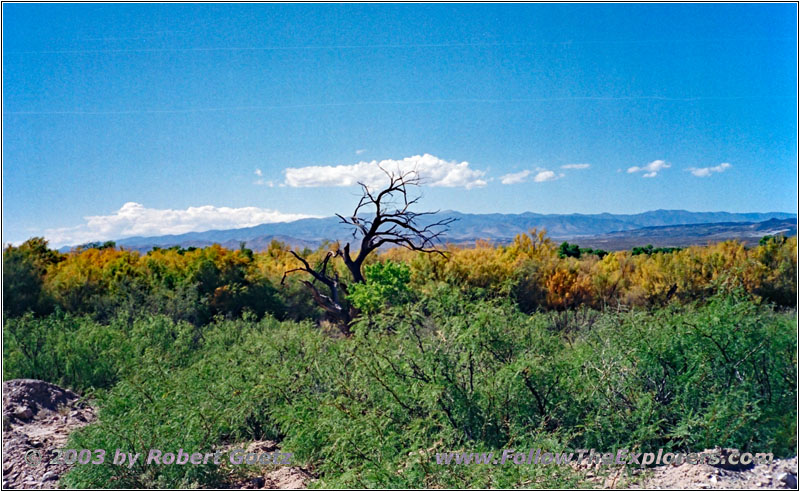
[259, 173]
[514, 178]
[576, 166]
[546, 175]
[703, 172]
[651, 170]
[134, 219]
[431, 169]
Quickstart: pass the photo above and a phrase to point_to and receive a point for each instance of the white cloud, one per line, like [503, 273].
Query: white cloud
[360, 151]
[576, 166]
[547, 175]
[431, 169]
[261, 181]
[541, 176]
[134, 219]
[651, 170]
[703, 172]
[514, 178]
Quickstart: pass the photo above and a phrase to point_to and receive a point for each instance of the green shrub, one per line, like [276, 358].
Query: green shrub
[71, 351]
[386, 284]
[447, 372]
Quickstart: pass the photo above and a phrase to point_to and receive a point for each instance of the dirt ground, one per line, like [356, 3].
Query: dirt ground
[268, 476]
[779, 474]
[37, 416]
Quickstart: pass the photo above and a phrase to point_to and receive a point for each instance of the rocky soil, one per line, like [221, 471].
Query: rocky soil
[268, 476]
[37, 415]
[780, 474]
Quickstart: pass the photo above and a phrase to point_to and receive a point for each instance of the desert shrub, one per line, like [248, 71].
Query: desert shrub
[452, 369]
[222, 391]
[297, 303]
[528, 288]
[688, 379]
[568, 287]
[385, 284]
[75, 352]
[482, 267]
[79, 353]
[778, 258]
[484, 376]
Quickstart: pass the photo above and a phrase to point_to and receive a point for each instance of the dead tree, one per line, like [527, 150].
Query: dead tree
[380, 219]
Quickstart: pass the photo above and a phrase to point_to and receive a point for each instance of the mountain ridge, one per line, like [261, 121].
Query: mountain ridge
[496, 227]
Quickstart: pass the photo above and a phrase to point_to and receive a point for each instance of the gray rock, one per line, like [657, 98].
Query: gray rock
[262, 446]
[788, 479]
[23, 413]
[34, 394]
[49, 476]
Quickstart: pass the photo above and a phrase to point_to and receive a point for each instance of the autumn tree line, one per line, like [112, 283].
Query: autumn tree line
[198, 284]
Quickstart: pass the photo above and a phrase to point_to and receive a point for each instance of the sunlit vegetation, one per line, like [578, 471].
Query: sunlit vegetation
[198, 284]
[487, 347]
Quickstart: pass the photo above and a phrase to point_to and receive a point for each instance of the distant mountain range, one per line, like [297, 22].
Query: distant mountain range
[689, 234]
[608, 231]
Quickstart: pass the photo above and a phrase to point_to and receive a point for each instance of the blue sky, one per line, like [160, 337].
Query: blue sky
[147, 119]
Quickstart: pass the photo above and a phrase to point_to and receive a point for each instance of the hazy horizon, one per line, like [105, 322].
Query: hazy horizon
[81, 232]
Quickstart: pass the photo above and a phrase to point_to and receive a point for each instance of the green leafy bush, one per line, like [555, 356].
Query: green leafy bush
[386, 284]
[443, 373]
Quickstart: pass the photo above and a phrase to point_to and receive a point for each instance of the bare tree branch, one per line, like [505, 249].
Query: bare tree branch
[390, 222]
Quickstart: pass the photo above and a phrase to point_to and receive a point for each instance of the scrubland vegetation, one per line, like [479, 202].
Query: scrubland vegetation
[484, 348]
